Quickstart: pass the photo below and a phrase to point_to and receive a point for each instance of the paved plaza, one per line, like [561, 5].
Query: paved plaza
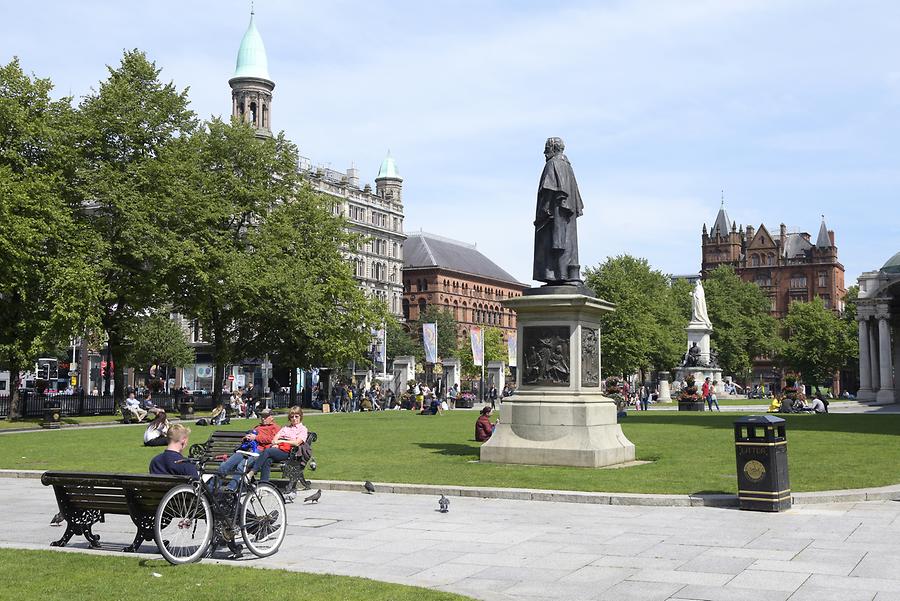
[496, 549]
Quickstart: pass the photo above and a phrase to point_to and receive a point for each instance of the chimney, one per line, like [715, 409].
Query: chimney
[782, 229]
[353, 176]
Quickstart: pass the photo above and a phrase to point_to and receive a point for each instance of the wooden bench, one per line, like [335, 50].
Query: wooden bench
[222, 443]
[86, 498]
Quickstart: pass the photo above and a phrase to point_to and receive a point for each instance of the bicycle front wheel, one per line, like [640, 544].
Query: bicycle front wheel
[183, 527]
[263, 520]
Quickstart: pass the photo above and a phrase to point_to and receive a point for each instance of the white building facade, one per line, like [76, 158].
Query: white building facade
[878, 313]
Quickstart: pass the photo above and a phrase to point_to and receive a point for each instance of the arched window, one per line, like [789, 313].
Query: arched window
[405, 309]
[422, 306]
[771, 258]
[754, 260]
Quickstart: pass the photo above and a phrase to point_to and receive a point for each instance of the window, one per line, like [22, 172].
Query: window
[754, 260]
[774, 304]
[827, 300]
[763, 279]
[196, 334]
[405, 309]
[771, 259]
[823, 280]
[798, 281]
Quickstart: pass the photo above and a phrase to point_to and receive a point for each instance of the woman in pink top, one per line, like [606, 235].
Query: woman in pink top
[290, 436]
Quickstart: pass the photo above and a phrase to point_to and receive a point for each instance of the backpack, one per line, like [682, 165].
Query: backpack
[202, 422]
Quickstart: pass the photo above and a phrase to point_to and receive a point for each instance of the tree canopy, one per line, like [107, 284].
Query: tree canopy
[743, 327]
[48, 282]
[818, 342]
[647, 328]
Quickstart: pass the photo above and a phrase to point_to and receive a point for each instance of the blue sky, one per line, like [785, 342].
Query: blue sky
[791, 106]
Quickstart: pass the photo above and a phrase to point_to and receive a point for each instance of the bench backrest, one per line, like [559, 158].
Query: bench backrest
[224, 442]
[124, 494]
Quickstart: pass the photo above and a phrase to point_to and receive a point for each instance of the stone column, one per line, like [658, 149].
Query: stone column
[885, 357]
[896, 362]
[865, 392]
[665, 391]
[873, 356]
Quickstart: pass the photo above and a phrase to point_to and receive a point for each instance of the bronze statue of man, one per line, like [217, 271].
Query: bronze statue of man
[555, 232]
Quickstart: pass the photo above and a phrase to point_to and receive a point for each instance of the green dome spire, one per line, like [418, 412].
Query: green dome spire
[388, 168]
[892, 265]
[251, 58]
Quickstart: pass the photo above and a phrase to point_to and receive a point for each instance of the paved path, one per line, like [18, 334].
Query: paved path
[530, 550]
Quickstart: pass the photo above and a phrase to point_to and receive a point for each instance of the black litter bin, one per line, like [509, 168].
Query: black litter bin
[760, 445]
[52, 414]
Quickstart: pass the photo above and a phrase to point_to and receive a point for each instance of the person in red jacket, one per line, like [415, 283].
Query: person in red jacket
[483, 426]
[262, 435]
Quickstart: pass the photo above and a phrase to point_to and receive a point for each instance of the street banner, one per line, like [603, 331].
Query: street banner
[379, 348]
[511, 346]
[429, 339]
[477, 346]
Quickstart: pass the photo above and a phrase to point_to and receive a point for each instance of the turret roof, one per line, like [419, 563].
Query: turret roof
[721, 226]
[251, 58]
[388, 168]
[823, 241]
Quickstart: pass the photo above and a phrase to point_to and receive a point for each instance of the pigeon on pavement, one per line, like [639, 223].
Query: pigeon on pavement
[370, 488]
[444, 504]
[57, 519]
[314, 497]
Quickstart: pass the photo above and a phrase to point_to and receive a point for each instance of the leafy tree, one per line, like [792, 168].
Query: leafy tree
[447, 328]
[48, 286]
[309, 310]
[156, 340]
[400, 342]
[236, 181]
[849, 319]
[647, 329]
[133, 132]
[817, 342]
[494, 350]
[743, 328]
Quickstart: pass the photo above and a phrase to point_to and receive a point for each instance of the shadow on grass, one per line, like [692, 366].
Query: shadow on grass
[456, 450]
[829, 422]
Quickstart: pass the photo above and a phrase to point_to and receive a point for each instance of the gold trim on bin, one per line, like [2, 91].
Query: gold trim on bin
[764, 492]
[760, 444]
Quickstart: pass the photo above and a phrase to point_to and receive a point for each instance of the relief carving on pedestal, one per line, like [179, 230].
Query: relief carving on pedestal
[546, 355]
[590, 357]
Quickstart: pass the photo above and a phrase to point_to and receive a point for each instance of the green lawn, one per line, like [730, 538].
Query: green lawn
[43, 575]
[689, 453]
[35, 422]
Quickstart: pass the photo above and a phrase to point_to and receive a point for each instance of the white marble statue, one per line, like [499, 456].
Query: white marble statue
[698, 311]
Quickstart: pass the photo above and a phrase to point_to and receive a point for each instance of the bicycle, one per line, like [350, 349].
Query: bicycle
[193, 520]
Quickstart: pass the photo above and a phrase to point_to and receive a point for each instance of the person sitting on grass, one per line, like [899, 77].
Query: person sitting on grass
[483, 426]
[256, 441]
[171, 461]
[290, 436]
[219, 416]
[155, 434]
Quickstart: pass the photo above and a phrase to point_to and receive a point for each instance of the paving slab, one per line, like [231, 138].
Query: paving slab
[502, 549]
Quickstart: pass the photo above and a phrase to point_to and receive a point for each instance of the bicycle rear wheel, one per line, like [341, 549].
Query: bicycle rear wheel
[183, 527]
[263, 520]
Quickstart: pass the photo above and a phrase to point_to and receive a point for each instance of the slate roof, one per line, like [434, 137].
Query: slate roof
[422, 250]
[794, 245]
[722, 226]
[823, 241]
[892, 265]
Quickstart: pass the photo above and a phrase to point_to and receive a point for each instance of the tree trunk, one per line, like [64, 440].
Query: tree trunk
[106, 375]
[293, 392]
[113, 355]
[16, 410]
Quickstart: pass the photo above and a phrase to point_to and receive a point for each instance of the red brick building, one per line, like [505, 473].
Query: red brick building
[788, 266]
[456, 277]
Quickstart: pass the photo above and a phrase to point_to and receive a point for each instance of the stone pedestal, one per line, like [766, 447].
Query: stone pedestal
[404, 371]
[558, 415]
[665, 391]
[451, 369]
[495, 376]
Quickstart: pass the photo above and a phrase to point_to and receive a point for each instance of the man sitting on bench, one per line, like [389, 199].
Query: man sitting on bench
[257, 440]
[172, 461]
